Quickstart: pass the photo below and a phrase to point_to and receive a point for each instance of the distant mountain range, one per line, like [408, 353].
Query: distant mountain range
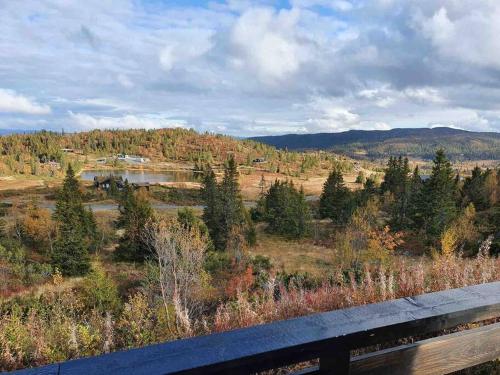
[416, 142]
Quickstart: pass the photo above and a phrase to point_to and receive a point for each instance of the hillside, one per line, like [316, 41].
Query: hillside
[31, 153]
[417, 142]
[46, 154]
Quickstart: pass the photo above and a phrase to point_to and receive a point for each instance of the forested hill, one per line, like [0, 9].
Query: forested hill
[417, 142]
[21, 153]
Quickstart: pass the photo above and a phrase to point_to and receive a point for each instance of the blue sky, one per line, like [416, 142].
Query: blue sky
[250, 67]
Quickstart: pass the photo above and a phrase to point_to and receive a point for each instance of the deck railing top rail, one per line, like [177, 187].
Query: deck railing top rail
[328, 336]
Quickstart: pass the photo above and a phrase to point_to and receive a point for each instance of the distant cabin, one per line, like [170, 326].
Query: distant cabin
[132, 158]
[259, 160]
[72, 151]
[104, 183]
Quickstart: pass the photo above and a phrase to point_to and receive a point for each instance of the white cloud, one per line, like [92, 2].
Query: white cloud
[341, 5]
[85, 121]
[240, 66]
[12, 102]
[184, 47]
[424, 95]
[125, 81]
[266, 42]
[467, 34]
[381, 126]
[330, 115]
[384, 96]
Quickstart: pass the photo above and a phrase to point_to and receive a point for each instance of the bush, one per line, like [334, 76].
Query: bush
[99, 291]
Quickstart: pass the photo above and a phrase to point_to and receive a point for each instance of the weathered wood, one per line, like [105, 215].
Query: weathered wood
[334, 362]
[296, 340]
[439, 355]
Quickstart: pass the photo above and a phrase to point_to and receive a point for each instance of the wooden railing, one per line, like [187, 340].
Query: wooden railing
[329, 337]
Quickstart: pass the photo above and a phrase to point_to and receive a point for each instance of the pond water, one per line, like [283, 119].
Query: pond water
[140, 176]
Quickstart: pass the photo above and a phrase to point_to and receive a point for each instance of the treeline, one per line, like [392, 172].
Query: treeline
[417, 142]
[445, 211]
[478, 149]
[33, 153]
[170, 144]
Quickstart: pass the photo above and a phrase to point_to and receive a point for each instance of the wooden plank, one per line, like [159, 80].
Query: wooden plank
[334, 363]
[439, 355]
[296, 340]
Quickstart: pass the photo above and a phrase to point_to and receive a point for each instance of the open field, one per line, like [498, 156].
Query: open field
[16, 183]
[294, 256]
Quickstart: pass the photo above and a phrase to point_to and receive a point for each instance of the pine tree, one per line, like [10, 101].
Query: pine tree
[439, 194]
[415, 200]
[401, 191]
[212, 213]
[369, 190]
[390, 176]
[336, 200]
[224, 212]
[70, 252]
[474, 189]
[135, 213]
[397, 183]
[286, 210]
[233, 210]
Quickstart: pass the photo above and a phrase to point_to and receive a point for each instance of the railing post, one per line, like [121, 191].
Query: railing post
[335, 363]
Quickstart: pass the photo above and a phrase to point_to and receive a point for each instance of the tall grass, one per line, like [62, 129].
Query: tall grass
[59, 325]
[402, 280]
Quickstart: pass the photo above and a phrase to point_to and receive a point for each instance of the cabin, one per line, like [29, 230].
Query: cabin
[259, 160]
[104, 182]
[425, 334]
[132, 158]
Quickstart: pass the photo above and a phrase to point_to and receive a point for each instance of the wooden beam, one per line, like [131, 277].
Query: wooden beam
[268, 346]
[439, 355]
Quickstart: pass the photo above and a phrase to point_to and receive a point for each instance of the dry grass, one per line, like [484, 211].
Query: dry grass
[312, 183]
[291, 256]
[14, 183]
[41, 334]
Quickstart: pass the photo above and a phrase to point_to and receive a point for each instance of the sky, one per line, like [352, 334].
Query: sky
[248, 68]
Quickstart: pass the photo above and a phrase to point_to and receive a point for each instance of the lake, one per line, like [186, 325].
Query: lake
[141, 176]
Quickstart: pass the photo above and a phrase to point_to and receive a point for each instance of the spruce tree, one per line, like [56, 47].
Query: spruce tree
[415, 200]
[474, 189]
[336, 200]
[286, 211]
[135, 213]
[224, 213]
[401, 191]
[70, 252]
[369, 190]
[233, 210]
[212, 212]
[439, 194]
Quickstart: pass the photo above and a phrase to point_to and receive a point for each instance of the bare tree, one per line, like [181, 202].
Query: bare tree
[180, 253]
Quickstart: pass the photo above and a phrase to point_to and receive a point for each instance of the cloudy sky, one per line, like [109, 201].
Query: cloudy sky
[250, 67]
